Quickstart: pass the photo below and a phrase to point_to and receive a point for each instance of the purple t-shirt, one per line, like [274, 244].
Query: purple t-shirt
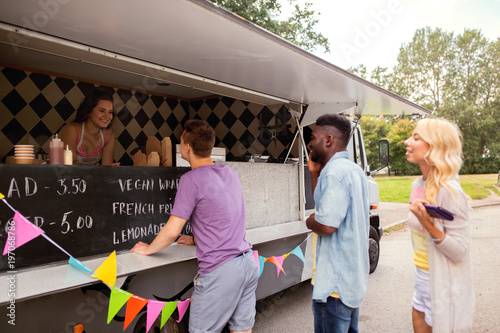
[211, 198]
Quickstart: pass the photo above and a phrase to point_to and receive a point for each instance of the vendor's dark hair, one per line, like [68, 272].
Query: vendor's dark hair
[200, 136]
[90, 102]
[339, 122]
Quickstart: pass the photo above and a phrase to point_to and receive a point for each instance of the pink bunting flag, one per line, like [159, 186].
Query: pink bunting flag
[280, 260]
[154, 309]
[256, 257]
[182, 307]
[21, 231]
[276, 262]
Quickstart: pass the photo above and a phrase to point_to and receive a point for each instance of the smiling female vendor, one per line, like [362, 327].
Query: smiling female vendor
[90, 136]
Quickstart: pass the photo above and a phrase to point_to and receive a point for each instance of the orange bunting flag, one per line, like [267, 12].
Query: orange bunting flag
[167, 311]
[117, 299]
[107, 271]
[134, 305]
[19, 232]
[276, 262]
[154, 309]
[182, 307]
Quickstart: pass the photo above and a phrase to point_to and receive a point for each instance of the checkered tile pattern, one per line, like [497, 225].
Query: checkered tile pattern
[35, 106]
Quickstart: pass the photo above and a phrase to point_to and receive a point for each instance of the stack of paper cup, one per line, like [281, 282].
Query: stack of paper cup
[24, 154]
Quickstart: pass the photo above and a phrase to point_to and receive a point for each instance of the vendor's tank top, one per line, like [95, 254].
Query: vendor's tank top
[93, 158]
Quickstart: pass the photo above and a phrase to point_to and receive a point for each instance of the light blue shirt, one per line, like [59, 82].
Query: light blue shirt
[342, 262]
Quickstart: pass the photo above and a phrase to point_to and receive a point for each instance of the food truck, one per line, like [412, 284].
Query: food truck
[165, 62]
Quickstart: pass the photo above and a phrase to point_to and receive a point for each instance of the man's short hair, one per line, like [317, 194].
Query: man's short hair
[200, 136]
[341, 123]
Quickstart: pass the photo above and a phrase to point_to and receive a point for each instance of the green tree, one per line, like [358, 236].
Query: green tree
[298, 28]
[373, 129]
[399, 132]
[423, 68]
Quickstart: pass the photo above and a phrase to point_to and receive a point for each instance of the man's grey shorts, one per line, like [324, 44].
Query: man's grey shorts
[225, 295]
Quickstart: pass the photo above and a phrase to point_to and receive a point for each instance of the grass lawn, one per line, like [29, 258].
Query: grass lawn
[397, 189]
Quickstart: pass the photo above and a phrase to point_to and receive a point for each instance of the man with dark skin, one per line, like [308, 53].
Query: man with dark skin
[341, 225]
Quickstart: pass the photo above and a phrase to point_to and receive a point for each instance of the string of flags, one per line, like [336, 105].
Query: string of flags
[23, 231]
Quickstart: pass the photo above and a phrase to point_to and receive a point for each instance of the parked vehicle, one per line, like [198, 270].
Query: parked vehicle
[166, 62]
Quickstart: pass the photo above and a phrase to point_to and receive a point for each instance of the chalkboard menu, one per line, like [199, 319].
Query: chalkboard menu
[87, 210]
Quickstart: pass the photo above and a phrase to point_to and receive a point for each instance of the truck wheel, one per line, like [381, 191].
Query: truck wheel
[171, 326]
[373, 249]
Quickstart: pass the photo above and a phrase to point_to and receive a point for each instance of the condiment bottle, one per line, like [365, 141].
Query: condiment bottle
[68, 156]
[56, 154]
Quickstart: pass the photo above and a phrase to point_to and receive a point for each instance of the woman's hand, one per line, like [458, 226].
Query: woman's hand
[141, 248]
[417, 207]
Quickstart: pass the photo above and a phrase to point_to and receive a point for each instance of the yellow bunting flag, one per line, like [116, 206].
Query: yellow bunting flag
[107, 271]
[167, 311]
[1, 196]
[117, 299]
[134, 305]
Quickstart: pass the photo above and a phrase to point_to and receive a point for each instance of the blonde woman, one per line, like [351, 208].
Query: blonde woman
[443, 299]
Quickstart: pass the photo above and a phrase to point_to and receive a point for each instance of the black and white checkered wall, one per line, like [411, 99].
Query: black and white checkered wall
[34, 106]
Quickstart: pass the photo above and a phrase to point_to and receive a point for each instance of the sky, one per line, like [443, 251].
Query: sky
[371, 32]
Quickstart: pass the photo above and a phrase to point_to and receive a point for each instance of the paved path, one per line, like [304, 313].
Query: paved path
[387, 307]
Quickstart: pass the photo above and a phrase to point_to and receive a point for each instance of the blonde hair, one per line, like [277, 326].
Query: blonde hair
[444, 155]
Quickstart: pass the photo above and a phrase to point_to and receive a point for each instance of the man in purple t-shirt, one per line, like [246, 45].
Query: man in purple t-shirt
[210, 196]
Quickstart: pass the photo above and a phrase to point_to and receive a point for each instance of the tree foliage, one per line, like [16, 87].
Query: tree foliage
[458, 78]
[298, 28]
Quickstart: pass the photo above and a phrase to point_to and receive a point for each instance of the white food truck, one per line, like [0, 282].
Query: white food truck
[166, 61]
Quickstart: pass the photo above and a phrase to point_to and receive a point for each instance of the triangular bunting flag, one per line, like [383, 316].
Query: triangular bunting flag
[78, 264]
[256, 257]
[117, 299]
[182, 307]
[280, 260]
[286, 256]
[262, 260]
[23, 231]
[298, 252]
[167, 311]
[134, 305]
[107, 271]
[276, 262]
[154, 309]
[1, 196]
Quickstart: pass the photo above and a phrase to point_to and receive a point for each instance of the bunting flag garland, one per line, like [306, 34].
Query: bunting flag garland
[276, 262]
[117, 300]
[298, 252]
[262, 260]
[280, 260]
[167, 311]
[154, 309]
[182, 307]
[78, 264]
[24, 231]
[107, 271]
[134, 306]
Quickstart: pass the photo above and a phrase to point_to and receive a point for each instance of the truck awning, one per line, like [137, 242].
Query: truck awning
[183, 48]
